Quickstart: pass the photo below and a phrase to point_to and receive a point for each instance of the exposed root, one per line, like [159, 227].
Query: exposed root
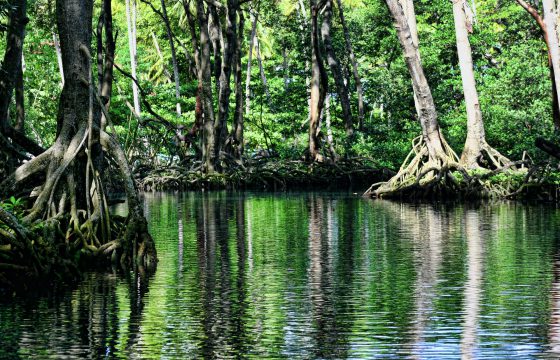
[263, 173]
[136, 236]
[496, 158]
[418, 170]
[69, 224]
[423, 176]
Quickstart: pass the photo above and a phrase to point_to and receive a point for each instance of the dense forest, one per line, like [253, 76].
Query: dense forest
[105, 97]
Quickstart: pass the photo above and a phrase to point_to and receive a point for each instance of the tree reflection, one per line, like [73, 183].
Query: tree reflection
[312, 276]
[473, 285]
[88, 323]
[328, 303]
[554, 330]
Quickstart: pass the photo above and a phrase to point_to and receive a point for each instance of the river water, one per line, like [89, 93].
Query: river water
[313, 275]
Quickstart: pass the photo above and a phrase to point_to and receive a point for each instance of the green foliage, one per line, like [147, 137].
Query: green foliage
[16, 206]
[508, 55]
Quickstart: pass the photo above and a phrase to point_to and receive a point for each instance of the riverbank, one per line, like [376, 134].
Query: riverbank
[266, 174]
[538, 183]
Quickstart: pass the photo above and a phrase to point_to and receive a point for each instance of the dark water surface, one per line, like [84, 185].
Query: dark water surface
[313, 276]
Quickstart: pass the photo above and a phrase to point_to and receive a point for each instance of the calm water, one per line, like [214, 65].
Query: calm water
[313, 276]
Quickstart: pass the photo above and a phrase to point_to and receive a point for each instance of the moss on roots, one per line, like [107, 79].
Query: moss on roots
[67, 225]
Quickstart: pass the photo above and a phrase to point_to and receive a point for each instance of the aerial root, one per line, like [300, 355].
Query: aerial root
[424, 176]
[59, 230]
[419, 171]
[496, 158]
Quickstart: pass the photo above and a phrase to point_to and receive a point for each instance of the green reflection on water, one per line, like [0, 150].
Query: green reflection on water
[312, 275]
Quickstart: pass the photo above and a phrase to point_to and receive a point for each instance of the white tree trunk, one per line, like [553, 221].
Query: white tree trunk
[410, 14]
[408, 9]
[475, 126]
[131, 25]
[425, 104]
[58, 57]
[173, 57]
[550, 19]
[249, 59]
[327, 112]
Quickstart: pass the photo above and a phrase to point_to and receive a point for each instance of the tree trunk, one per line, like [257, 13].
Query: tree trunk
[205, 78]
[11, 65]
[357, 80]
[214, 31]
[555, 104]
[550, 20]
[229, 50]
[330, 141]
[131, 25]
[410, 15]
[263, 75]
[249, 58]
[198, 112]
[73, 191]
[11, 77]
[161, 58]
[58, 57]
[427, 110]
[336, 71]
[475, 127]
[319, 87]
[20, 103]
[173, 57]
[99, 43]
[237, 131]
[106, 86]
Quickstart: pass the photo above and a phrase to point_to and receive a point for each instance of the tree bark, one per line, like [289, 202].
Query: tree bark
[555, 105]
[106, 85]
[410, 15]
[198, 112]
[11, 65]
[229, 49]
[254, 18]
[19, 124]
[237, 131]
[214, 31]
[173, 57]
[427, 110]
[336, 70]
[131, 26]
[550, 20]
[263, 75]
[330, 140]
[205, 78]
[356, 75]
[475, 127]
[58, 57]
[319, 87]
